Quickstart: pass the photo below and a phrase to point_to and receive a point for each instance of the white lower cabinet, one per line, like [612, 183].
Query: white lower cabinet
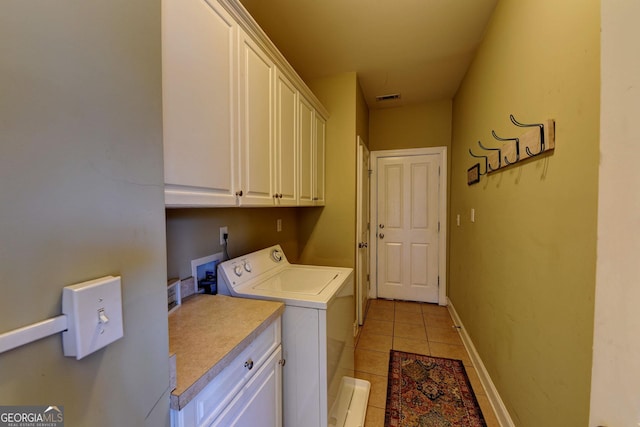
[246, 393]
[259, 403]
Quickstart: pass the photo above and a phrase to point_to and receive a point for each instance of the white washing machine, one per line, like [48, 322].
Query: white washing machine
[317, 334]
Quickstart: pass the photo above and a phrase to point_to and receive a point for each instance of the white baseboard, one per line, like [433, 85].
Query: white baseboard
[492, 393]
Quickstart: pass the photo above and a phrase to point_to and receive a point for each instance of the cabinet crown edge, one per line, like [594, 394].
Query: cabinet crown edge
[253, 29]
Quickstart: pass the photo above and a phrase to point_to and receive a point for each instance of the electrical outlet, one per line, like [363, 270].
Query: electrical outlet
[223, 231]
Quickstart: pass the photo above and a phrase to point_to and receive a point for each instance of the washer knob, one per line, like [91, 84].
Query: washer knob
[276, 255]
[238, 270]
[247, 266]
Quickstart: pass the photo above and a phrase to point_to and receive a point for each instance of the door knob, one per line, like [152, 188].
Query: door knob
[381, 235]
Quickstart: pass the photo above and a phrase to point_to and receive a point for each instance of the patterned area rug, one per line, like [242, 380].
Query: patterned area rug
[429, 391]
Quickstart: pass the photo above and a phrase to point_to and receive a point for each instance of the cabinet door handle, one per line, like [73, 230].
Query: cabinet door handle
[381, 235]
[248, 364]
[282, 362]
[239, 193]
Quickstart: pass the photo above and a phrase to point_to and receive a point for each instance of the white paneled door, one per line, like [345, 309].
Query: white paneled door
[407, 227]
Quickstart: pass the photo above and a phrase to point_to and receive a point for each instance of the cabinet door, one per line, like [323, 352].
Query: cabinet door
[256, 124]
[307, 152]
[259, 403]
[320, 133]
[286, 146]
[199, 93]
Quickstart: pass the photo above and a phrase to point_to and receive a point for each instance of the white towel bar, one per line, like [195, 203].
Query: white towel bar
[25, 335]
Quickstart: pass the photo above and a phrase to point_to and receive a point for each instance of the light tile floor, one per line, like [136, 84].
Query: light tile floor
[411, 327]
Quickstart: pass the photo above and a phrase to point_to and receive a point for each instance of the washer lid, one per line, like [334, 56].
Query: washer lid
[300, 280]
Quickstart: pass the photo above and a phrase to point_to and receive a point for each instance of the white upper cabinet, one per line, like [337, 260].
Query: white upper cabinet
[235, 133]
[199, 98]
[312, 140]
[257, 77]
[286, 147]
[319, 160]
[307, 152]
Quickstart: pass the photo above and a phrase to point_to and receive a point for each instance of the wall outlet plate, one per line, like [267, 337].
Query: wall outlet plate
[94, 316]
[223, 231]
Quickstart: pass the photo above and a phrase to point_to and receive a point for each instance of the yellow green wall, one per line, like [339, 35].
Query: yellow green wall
[195, 233]
[327, 235]
[413, 126]
[522, 276]
[362, 116]
[81, 197]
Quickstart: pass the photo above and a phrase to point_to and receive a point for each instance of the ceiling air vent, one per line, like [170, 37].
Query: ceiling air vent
[390, 97]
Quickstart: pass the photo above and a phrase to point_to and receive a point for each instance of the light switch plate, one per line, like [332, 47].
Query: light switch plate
[94, 316]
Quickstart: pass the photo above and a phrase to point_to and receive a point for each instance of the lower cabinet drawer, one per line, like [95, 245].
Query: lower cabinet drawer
[214, 398]
[259, 403]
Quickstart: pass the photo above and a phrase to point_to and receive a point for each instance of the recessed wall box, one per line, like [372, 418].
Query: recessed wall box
[94, 316]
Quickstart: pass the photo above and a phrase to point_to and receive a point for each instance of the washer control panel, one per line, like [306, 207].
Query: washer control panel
[237, 271]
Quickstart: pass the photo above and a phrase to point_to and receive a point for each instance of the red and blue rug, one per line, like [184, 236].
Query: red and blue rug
[430, 391]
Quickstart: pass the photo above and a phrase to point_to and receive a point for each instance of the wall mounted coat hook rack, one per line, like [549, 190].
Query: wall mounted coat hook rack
[538, 139]
[517, 146]
[491, 168]
[540, 126]
[486, 162]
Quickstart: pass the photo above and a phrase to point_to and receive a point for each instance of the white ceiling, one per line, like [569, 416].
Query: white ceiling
[418, 48]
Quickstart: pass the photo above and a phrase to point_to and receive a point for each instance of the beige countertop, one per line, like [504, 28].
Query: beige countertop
[207, 332]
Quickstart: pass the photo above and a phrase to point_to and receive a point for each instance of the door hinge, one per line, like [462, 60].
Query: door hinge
[438, 280]
[438, 226]
[370, 172]
[367, 277]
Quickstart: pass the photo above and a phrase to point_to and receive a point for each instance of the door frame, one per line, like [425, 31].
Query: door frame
[442, 214]
[362, 188]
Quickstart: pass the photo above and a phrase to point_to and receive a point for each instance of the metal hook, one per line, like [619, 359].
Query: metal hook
[517, 140]
[499, 156]
[486, 162]
[539, 125]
